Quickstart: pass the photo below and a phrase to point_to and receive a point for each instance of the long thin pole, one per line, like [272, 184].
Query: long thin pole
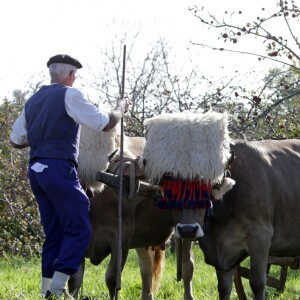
[179, 259]
[119, 254]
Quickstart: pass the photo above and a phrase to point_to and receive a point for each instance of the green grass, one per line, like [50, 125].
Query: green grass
[20, 279]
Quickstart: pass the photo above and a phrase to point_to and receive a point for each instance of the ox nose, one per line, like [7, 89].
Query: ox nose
[189, 231]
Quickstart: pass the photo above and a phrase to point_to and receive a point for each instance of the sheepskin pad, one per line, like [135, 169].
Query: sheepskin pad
[94, 149]
[187, 145]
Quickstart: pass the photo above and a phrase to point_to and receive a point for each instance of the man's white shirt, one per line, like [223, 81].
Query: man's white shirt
[77, 107]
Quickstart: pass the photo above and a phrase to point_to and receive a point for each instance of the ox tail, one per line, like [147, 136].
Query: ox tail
[158, 266]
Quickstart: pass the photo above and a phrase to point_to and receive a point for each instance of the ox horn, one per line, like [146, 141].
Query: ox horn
[110, 156]
[144, 189]
[149, 190]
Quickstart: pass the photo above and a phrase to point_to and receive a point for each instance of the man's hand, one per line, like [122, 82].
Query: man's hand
[116, 115]
[123, 105]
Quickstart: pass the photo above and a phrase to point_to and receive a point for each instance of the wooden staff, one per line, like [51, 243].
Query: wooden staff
[179, 259]
[119, 250]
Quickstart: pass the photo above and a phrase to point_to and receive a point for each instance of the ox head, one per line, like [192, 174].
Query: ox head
[192, 231]
[189, 200]
[186, 155]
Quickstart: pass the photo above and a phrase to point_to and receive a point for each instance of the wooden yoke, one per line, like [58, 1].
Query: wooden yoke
[142, 188]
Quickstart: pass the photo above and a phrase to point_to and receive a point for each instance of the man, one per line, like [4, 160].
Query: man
[50, 125]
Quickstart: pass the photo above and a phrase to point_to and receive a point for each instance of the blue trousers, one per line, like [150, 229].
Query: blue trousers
[64, 212]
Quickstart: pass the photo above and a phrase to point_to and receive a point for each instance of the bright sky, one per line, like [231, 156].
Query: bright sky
[34, 30]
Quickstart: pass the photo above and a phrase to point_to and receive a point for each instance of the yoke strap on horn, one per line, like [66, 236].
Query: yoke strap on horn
[130, 170]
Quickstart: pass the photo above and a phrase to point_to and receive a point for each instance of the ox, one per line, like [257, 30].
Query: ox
[143, 223]
[259, 216]
[146, 225]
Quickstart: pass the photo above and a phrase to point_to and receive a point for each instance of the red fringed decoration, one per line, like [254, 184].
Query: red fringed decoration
[179, 194]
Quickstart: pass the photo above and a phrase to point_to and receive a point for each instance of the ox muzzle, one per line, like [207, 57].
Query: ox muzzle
[188, 231]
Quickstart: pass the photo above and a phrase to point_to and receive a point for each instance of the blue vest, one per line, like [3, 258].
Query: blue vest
[51, 132]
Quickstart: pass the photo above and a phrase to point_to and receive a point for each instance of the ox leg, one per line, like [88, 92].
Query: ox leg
[258, 276]
[224, 284]
[259, 255]
[110, 275]
[187, 267]
[75, 281]
[146, 264]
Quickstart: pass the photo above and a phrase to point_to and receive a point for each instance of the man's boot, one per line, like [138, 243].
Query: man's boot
[53, 296]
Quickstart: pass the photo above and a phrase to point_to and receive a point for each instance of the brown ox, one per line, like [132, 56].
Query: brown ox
[259, 216]
[144, 225]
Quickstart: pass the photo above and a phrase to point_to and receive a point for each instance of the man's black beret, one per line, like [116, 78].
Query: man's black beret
[64, 59]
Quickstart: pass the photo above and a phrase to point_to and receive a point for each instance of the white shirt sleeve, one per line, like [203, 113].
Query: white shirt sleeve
[19, 130]
[83, 112]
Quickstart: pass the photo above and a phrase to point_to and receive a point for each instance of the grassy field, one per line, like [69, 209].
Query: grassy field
[20, 279]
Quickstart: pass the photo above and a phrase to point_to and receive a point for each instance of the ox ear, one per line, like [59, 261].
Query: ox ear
[226, 186]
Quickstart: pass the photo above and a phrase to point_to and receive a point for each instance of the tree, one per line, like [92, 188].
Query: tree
[20, 227]
[155, 84]
[277, 48]
[262, 112]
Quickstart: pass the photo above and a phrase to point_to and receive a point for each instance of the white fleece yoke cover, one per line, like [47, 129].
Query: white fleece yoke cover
[187, 145]
[94, 149]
